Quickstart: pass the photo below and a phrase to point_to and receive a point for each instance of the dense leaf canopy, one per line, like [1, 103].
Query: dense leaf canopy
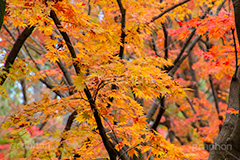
[118, 79]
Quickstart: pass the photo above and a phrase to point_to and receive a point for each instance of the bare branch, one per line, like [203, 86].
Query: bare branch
[214, 94]
[50, 86]
[190, 103]
[193, 75]
[39, 44]
[9, 32]
[107, 143]
[65, 71]
[220, 7]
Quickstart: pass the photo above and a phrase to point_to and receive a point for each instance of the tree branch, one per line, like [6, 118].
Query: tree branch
[66, 73]
[14, 52]
[154, 45]
[175, 67]
[24, 91]
[171, 73]
[165, 32]
[9, 32]
[193, 75]
[123, 24]
[160, 113]
[108, 145]
[168, 9]
[214, 94]
[38, 43]
[67, 128]
[50, 86]
[152, 110]
[220, 7]
[191, 105]
[183, 48]
[66, 39]
[236, 56]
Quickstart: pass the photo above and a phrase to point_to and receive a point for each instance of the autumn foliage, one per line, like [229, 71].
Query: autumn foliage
[118, 79]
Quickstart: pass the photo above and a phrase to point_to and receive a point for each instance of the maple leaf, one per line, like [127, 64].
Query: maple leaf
[79, 81]
[133, 152]
[232, 111]
[52, 56]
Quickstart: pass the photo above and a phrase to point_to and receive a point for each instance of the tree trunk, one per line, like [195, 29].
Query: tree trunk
[221, 148]
[227, 144]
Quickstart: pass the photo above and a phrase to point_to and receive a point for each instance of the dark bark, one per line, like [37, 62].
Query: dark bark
[108, 145]
[221, 147]
[190, 103]
[9, 32]
[24, 91]
[154, 45]
[123, 24]
[168, 9]
[160, 113]
[66, 73]
[51, 86]
[14, 52]
[236, 5]
[152, 110]
[66, 39]
[89, 8]
[214, 94]
[193, 75]
[236, 55]
[177, 65]
[220, 7]
[165, 32]
[183, 49]
[172, 71]
[67, 128]
[228, 140]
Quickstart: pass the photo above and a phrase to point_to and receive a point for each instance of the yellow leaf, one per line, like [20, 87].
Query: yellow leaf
[52, 57]
[79, 81]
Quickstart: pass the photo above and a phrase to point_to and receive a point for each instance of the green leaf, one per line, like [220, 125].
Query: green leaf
[2, 11]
